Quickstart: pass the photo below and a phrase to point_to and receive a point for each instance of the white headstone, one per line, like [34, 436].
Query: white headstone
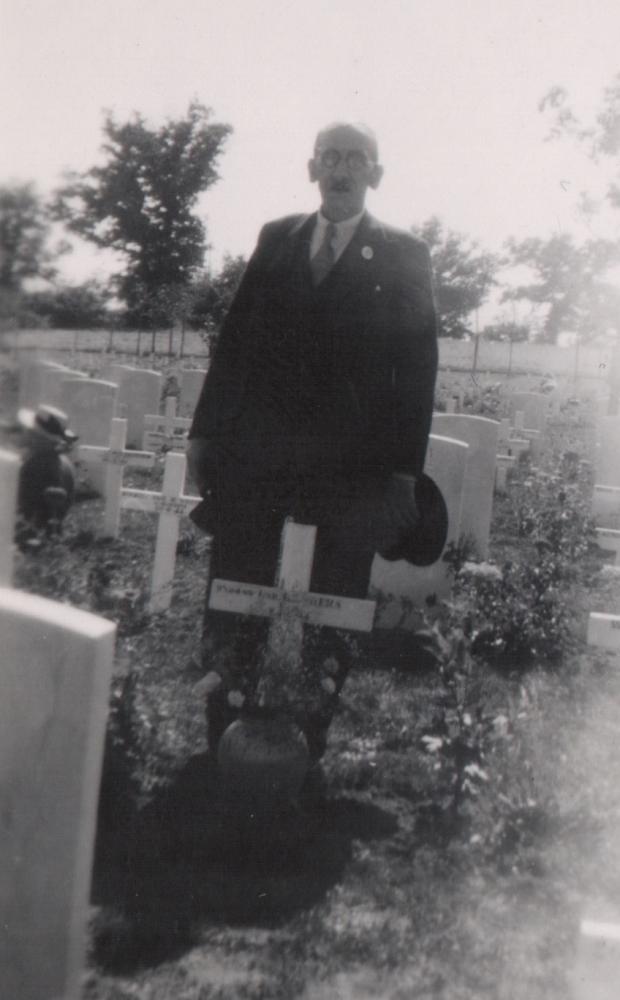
[54, 690]
[171, 504]
[480, 434]
[503, 464]
[140, 393]
[608, 540]
[166, 430]
[9, 480]
[446, 463]
[604, 631]
[607, 451]
[52, 383]
[31, 375]
[90, 405]
[606, 506]
[191, 386]
[596, 973]
[533, 405]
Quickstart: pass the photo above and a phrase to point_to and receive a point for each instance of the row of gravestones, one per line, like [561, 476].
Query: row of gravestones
[604, 629]
[55, 694]
[55, 679]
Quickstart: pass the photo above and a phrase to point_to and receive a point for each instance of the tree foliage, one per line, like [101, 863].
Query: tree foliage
[570, 281]
[71, 307]
[213, 293]
[463, 275]
[599, 137]
[141, 200]
[24, 232]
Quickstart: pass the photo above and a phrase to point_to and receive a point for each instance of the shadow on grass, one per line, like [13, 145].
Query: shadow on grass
[191, 855]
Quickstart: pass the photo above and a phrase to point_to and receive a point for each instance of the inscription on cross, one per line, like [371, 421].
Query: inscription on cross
[291, 591]
[114, 458]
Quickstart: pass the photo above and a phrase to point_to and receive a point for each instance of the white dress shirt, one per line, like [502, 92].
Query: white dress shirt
[344, 234]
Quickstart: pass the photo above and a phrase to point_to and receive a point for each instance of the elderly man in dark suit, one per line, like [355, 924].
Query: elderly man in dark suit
[318, 402]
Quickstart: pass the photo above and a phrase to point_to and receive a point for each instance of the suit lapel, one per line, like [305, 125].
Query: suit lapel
[359, 261]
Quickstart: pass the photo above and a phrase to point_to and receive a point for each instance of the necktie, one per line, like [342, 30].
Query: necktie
[325, 257]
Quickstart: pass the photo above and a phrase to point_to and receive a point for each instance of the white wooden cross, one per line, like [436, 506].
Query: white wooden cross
[9, 479]
[114, 459]
[171, 504]
[54, 692]
[291, 592]
[166, 430]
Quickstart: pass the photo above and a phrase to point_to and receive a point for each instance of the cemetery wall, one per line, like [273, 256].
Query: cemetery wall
[457, 355]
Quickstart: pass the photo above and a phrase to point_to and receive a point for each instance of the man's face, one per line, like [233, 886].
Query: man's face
[344, 167]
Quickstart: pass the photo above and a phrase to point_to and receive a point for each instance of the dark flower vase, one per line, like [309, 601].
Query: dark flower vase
[263, 759]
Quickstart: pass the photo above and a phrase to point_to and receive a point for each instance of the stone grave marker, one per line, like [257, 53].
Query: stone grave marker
[54, 690]
[140, 392]
[9, 481]
[446, 463]
[292, 590]
[608, 540]
[31, 376]
[607, 451]
[166, 430]
[90, 405]
[503, 464]
[606, 506]
[171, 504]
[604, 631]
[113, 459]
[518, 446]
[596, 974]
[191, 386]
[52, 382]
[481, 435]
[533, 405]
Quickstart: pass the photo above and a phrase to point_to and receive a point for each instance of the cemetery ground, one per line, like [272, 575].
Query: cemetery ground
[473, 805]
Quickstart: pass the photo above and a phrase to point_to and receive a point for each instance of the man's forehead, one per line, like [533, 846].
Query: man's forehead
[347, 136]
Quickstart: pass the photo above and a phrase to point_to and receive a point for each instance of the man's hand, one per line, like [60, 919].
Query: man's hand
[397, 517]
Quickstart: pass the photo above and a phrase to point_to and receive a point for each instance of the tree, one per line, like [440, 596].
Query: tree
[140, 202]
[24, 231]
[213, 294]
[569, 280]
[600, 137]
[71, 307]
[463, 276]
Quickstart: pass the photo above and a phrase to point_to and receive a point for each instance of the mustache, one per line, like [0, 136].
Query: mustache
[340, 184]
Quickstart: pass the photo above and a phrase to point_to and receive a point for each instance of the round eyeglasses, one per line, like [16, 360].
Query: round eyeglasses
[354, 159]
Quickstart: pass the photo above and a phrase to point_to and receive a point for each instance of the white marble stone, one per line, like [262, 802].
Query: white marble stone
[607, 451]
[90, 405]
[608, 540]
[54, 688]
[446, 463]
[191, 385]
[166, 430]
[140, 392]
[604, 631]
[110, 461]
[9, 480]
[32, 373]
[481, 435]
[533, 405]
[606, 506]
[52, 383]
[596, 974]
[170, 505]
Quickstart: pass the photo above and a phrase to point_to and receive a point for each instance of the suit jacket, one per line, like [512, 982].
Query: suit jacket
[322, 382]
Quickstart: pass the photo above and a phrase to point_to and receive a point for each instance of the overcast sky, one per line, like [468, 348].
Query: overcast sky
[451, 87]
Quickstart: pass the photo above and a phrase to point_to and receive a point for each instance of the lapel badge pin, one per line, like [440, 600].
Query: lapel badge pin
[367, 253]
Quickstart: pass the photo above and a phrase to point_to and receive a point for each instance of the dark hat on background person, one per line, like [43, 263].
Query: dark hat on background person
[48, 421]
[423, 544]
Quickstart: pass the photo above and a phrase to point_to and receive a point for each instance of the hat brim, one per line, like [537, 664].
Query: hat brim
[27, 419]
[424, 545]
